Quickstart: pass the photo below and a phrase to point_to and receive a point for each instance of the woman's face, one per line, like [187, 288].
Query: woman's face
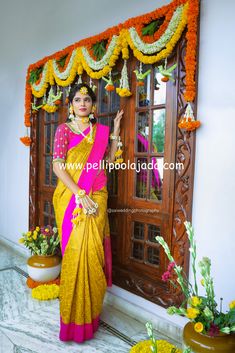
[82, 104]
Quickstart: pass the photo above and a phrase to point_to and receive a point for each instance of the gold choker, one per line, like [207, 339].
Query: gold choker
[84, 120]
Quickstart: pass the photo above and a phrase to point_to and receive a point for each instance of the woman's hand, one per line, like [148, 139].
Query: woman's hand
[117, 121]
[89, 206]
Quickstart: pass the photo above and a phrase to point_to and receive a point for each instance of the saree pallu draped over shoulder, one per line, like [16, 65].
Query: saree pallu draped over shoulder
[86, 250]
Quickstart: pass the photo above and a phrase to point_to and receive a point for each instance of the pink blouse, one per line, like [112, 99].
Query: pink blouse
[62, 139]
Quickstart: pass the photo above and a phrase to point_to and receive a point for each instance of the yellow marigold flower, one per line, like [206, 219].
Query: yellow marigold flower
[28, 233]
[119, 160]
[21, 240]
[195, 301]
[198, 327]
[162, 347]
[76, 211]
[46, 230]
[46, 292]
[118, 153]
[116, 51]
[192, 313]
[232, 304]
[37, 229]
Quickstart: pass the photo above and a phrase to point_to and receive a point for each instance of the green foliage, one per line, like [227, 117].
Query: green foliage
[152, 27]
[62, 60]
[99, 49]
[34, 75]
[159, 134]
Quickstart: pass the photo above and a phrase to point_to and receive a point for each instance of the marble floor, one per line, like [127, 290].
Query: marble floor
[31, 326]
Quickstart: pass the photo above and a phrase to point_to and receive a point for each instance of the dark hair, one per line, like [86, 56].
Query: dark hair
[90, 92]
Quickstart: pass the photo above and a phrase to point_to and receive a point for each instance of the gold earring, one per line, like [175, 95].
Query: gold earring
[91, 115]
[71, 112]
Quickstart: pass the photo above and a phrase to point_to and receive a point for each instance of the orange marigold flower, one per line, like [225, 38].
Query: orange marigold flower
[33, 284]
[26, 140]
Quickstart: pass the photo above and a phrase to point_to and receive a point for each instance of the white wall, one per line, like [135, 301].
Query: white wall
[35, 29]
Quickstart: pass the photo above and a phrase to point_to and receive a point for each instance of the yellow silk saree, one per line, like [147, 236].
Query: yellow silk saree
[86, 249]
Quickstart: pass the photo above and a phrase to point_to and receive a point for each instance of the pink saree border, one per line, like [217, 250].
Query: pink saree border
[78, 333]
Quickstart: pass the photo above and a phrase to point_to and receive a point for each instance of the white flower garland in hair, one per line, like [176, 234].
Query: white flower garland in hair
[65, 74]
[38, 87]
[147, 48]
[99, 65]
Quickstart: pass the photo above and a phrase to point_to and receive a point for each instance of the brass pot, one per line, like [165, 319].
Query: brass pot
[44, 268]
[200, 343]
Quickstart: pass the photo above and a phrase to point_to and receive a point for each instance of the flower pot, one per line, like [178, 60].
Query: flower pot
[200, 343]
[44, 268]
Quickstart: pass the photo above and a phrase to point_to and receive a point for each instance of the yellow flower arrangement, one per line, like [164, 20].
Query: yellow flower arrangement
[162, 347]
[46, 292]
[42, 241]
[202, 310]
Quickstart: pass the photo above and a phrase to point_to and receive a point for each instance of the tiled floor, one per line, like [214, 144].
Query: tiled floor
[31, 326]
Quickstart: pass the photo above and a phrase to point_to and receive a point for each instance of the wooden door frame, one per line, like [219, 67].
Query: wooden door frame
[181, 196]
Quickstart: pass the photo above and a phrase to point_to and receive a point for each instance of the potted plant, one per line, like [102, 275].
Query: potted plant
[209, 328]
[44, 244]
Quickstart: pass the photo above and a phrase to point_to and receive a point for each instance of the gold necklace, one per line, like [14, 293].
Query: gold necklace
[84, 119]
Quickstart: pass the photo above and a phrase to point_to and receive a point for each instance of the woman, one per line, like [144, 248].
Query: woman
[80, 204]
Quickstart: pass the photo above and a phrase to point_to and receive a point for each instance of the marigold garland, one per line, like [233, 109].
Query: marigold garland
[46, 292]
[162, 347]
[79, 63]
[33, 284]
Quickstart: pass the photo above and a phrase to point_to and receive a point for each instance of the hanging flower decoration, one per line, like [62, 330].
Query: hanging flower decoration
[141, 76]
[52, 101]
[188, 121]
[151, 37]
[26, 140]
[118, 153]
[166, 72]
[78, 216]
[109, 86]
[124, 89]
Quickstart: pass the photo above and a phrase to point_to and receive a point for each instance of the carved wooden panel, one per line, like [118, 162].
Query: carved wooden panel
[171, 218]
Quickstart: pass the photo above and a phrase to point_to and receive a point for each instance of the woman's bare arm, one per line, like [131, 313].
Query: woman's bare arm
[64, 176]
